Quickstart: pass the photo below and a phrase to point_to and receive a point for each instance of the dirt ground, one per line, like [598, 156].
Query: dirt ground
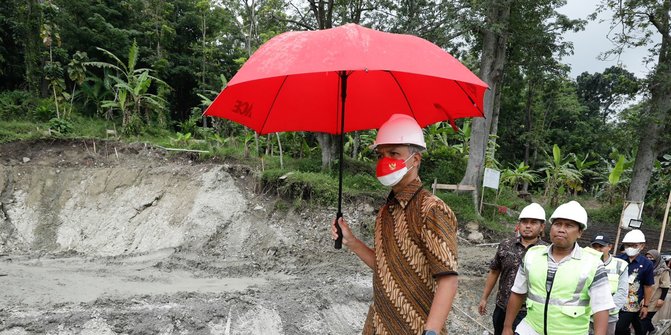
[111, 238]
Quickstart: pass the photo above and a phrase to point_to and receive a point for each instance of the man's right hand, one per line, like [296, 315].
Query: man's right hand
[507, 331]
[347, 236]
[482, 307]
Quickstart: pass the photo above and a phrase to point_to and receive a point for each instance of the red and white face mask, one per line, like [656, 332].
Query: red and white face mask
[390, 171]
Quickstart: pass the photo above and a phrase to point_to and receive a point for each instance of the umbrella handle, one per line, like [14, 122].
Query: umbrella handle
[338, 241]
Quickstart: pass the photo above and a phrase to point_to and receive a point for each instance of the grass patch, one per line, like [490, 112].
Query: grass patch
[17, 130]
[320, 188]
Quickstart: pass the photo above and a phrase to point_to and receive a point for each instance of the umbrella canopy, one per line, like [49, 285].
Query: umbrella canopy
[346, 79]
[294, 82]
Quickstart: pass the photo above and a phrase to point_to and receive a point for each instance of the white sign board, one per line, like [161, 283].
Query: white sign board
[491, 178]
[631, 211]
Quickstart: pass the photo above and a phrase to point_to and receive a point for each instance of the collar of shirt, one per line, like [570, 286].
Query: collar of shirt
[403, 197]
[638, 259]
[575, 254]
[539, 241]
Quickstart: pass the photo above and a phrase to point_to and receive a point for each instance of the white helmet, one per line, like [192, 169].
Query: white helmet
[533, 211]
[571, 210]
[634, 236]
[400, 129]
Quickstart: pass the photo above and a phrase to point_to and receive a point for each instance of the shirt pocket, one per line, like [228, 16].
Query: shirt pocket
[573, 311]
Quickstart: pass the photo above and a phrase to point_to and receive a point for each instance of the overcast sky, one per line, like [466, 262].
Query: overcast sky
[592, 41]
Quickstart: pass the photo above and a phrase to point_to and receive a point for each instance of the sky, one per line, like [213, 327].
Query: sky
[592, 41]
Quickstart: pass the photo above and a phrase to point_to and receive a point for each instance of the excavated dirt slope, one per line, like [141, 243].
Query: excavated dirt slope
[111, 238]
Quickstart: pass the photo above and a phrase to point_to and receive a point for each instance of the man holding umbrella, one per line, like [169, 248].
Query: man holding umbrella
[415, 256]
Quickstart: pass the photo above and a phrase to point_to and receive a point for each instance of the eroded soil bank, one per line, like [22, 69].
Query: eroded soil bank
[115, 238]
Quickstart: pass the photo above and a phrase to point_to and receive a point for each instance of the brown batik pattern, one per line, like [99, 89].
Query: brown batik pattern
[415, 240]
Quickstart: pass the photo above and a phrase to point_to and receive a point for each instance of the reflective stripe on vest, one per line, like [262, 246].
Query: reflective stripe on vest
[615, 268]
[568, 304]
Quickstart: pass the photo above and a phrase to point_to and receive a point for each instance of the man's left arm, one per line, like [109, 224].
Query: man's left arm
[441, 306]
[600, 300]
[600, 322]
[648, 281]
[439, 233]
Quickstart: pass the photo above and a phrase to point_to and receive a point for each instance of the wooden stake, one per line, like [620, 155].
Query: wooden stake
[666, 217]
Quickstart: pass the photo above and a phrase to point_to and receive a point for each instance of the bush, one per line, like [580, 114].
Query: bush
[17, 104]
[606, 215]
[60, 126]
[445, 164]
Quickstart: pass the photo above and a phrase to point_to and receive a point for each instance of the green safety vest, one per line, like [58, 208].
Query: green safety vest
[615, 268]
[568, 309]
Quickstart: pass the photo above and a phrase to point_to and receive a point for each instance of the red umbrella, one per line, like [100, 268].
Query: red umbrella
[311, 80]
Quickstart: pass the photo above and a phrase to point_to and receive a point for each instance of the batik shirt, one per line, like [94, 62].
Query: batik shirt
[640, 275]
[507, 260]
[415, 242]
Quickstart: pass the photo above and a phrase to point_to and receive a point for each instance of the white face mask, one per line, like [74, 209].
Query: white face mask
[631, 252]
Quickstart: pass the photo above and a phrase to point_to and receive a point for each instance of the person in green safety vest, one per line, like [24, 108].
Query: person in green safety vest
[562, 284]
[618, 277]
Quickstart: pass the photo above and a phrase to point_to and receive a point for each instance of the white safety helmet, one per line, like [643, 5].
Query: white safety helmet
[634, 236]
[571, 210]
[533, 211]
[400, 129]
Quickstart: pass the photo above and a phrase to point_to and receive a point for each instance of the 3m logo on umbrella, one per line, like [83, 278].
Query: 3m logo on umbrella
[243, 108]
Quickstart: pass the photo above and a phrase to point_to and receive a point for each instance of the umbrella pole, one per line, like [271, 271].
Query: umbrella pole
[343, 96]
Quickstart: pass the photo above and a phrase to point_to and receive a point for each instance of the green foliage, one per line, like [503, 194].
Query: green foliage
[517, 175]
[16, 104]
[11, 131]
[60, 126]
[446, 164]
[560, 176]
[131, 90]
[461, 204]
[608, 214]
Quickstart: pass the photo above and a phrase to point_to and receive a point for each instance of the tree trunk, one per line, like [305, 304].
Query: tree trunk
[355, 145]
[495, 114]
[329, 145]
[491, 72]
[32, 55]
[529, 125]
[660, 108]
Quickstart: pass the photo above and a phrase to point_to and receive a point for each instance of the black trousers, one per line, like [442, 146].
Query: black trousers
[647, 323]
[628, 318]
[499, 317]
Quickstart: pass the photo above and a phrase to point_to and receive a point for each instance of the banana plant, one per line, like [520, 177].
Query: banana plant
[517, 175]
[131, 88]
[560, 174]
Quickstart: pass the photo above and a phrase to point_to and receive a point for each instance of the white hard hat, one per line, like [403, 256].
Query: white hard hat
[533, 211]
[634, 236]
[400, 129]
[571, 210]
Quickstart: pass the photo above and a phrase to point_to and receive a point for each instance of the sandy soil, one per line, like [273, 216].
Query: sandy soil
[136, 241]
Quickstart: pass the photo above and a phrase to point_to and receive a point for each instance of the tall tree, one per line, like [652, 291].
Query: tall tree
[602, 92]
[495, 33]
[640, 20]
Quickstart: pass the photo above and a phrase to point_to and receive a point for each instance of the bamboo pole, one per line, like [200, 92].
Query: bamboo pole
[666, 217]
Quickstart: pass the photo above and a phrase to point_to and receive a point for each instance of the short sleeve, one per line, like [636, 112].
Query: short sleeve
[648, 278]
[439, 235]
[520, 286]
[665, 280]
[496, 264]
